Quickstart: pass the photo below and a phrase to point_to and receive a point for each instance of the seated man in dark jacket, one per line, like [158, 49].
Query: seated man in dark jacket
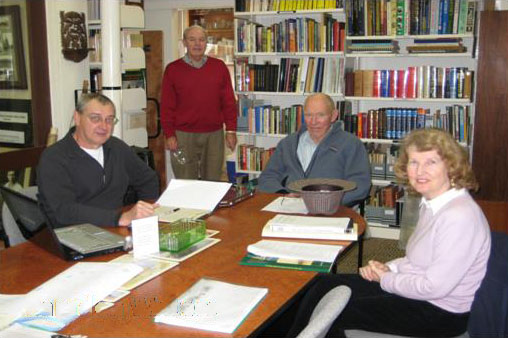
[320, 149]
[83, 177]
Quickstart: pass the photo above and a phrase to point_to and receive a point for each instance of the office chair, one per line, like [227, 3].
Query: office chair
[25, 211]
[326, 311]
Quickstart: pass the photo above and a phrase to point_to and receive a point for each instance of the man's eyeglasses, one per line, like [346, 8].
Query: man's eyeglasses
[95, 119]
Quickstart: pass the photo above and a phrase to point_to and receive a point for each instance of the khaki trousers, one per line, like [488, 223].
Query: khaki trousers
[204, 153]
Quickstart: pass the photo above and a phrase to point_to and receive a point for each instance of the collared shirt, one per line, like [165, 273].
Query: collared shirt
[305, 150]
[188, 61]
[437, 203]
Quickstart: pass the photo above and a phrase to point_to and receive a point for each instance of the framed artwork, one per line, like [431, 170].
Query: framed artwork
[12, 59]
[135, 2]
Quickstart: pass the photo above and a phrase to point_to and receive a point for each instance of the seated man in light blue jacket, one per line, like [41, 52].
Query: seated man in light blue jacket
[320, 149]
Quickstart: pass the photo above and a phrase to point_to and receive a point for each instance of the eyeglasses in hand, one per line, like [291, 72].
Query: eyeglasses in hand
[179, 156]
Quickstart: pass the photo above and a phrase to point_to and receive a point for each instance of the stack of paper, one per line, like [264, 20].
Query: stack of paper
[212, 305]
[332, 228]
[179, 199]
[292, 255]
[57, 302]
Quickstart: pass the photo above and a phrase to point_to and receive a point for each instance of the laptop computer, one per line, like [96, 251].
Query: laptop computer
[71, 242]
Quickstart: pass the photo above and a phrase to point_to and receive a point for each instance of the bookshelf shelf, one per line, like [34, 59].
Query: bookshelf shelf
[401, 37]
[242, 133]
[394, 99]
[378, 140]
[379, 182]
[254, 172]
[244, 15]
[299, 94]
[382, 231]
[287, 54]
[401, 55]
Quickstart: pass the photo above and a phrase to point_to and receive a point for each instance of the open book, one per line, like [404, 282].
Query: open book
[180, 199]
[332, 228]
[212, 305]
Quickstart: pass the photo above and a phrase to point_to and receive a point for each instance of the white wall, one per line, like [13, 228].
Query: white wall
[64, 76]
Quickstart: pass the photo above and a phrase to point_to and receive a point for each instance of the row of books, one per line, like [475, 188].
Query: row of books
[253, 158]
[295, 75]
[385, 196]
[291, 35]
[395, 123]
[382, 158]
[373, 46]
[130, 79]
[268, 119]
[413, 82]
[285, 5]
[410, 17]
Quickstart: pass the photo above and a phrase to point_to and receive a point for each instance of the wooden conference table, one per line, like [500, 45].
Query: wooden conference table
[26, 266]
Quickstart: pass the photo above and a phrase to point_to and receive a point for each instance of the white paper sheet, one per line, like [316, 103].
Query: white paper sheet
[288, 205]
[212, 305]
[185, 193]
[20, 331]
[145, 236]
[290, 223]
[72, 292]
[294, 250]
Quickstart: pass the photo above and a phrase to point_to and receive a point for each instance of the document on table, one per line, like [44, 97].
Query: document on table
[288, 205]
[184, 193]
[55, 303]
[212, 305]
[21, 331]
[296, 251]
[151, 268]
[290, 226]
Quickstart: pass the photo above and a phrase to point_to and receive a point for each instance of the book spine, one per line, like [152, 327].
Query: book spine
[400, 19]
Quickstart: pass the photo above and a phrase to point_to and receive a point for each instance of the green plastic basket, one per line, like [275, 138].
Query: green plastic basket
[177, 236]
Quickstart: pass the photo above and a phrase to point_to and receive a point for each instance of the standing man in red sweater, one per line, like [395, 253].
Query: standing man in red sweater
[197, 100]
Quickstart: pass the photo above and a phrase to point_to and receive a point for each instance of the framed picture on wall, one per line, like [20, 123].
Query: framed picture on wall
[135, 2]
[12, 59]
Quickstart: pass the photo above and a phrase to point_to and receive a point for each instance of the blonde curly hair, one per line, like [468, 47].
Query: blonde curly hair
[454, 156]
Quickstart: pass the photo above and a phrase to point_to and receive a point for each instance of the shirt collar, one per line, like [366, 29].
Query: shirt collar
[305, 138]
[188, 61]
[440, 201]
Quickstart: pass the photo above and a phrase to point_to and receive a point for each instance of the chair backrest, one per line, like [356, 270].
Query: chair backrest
[25, 211]
[326, 311]
[489, 311]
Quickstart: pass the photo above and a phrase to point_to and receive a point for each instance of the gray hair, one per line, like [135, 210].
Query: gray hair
[87, 98]
[186, 31]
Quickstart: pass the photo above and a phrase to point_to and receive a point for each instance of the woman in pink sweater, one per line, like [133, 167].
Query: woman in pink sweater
[429, 292]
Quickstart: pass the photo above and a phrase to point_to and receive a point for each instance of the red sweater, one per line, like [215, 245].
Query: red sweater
[197, 100]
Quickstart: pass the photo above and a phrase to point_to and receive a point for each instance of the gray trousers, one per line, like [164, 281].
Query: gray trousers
[204, 154]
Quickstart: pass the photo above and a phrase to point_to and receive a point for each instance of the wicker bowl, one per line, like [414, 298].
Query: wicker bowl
[322, 199]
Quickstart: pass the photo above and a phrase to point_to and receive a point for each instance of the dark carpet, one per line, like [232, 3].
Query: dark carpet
[373, 248]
